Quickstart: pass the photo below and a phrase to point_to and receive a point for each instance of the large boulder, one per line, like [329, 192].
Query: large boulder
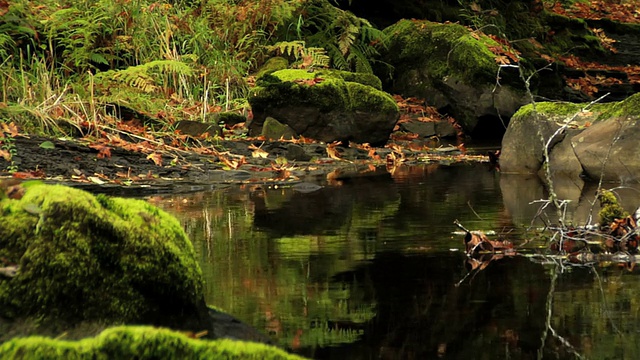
[85, 257]
[325, 105]
[69, 258]
[599, 140]
[454, 70]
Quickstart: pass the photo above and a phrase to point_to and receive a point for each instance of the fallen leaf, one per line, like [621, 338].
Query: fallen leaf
[332, 151]
[258, 152]
[47, 145]
[10, 129]
[96, 180]
[156, 158]
[5, 155]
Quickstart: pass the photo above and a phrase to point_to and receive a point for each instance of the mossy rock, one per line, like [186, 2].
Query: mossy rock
[453, 69]
[274, 130]
[601, 139]
[138, 342]
[325, 106]
[271, 65]
[95, 258]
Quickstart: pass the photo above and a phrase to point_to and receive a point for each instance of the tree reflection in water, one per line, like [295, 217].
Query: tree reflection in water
[368, 269]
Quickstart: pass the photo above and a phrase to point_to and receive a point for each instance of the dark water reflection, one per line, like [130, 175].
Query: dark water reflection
[368, 267]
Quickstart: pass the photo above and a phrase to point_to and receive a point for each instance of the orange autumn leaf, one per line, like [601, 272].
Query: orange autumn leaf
[103, 150]
[332, 152]
[156, 158]
[6, 155]
[11, 129]
[258, 152]
[502, 60]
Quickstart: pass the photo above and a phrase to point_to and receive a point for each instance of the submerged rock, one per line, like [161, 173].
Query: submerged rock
[325, 105]
[139, 343]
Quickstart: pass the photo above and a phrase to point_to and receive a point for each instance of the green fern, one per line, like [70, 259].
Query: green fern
[350, 41]
[298, 50]
[140, 77]
[290, 48]
[319, 57]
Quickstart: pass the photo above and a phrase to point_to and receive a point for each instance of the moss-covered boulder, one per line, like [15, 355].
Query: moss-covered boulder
[454, 70]
[325, 105]
[138, 343]
[599, 140]
[96, 258]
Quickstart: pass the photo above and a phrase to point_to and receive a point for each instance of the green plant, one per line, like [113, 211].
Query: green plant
[351, 42]
[8, 149]
[310, 57]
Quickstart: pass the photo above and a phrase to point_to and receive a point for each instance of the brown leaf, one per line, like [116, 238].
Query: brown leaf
[10, 129]
[332, 151]
[5, 155]
[258, 152]
[103, 150]
[502, 60]
[156, 158]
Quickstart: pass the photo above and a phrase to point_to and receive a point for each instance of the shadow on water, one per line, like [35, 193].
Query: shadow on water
[369, 267]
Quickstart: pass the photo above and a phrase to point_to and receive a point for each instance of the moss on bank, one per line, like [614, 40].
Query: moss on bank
[85, 257]
[138, 343]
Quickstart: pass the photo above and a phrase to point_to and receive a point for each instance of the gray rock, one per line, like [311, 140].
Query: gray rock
[297, 153]
[422, 128]
[600, 142]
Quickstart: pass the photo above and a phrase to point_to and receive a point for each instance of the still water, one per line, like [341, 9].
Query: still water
[370, 267]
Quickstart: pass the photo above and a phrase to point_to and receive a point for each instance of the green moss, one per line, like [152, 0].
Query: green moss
[138, 343]
[444, 49]
[571, 35]
[361, 78]
[364, 98]
[610, 208]
[299, 74]
[629, 107]
[274, 130]
[83, 257]
[549, 108]
[332, 93]
[273, 64]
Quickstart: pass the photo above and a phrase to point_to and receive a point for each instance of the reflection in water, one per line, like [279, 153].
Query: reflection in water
[368, 267]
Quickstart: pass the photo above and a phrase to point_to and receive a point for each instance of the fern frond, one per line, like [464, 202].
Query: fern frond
[338, 60]
[319, 56]
[347, 37]
[291, 48]
[360, 61]
[140, 78]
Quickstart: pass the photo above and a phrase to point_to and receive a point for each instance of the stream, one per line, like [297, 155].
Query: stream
[371, 267]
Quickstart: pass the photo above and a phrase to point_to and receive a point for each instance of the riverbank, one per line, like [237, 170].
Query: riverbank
[170, 169]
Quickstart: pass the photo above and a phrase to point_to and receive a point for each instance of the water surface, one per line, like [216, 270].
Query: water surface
[369, 267]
